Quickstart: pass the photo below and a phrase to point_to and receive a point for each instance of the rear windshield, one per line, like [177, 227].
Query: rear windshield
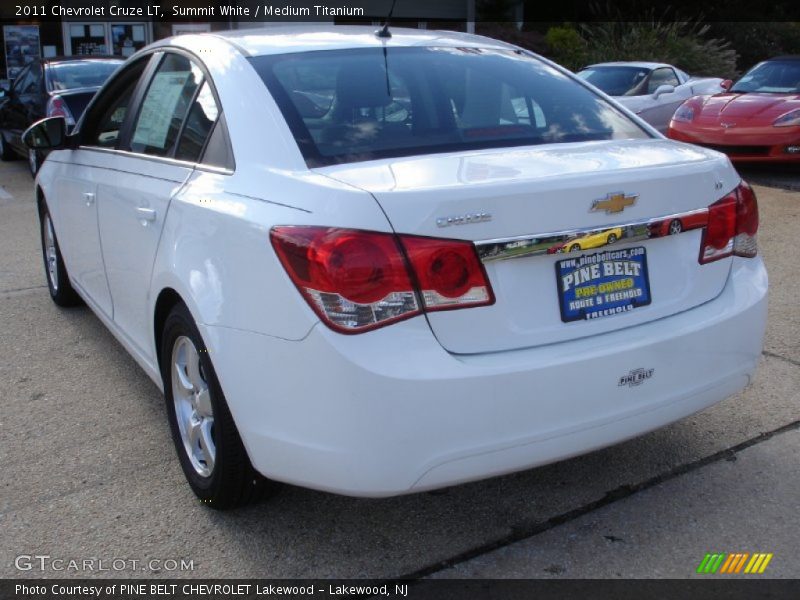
[617, 81]
[363, 104]
[80, 73]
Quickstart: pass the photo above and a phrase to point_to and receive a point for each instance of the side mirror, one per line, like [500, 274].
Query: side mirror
[663, 89]
[47, 134]
[726, 85]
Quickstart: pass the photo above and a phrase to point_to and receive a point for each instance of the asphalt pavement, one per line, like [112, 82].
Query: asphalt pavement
[89, 471]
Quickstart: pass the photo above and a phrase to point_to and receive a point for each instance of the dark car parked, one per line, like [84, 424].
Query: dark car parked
[49, 87]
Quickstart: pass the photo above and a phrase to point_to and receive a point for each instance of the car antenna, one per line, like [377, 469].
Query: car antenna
[384, 32]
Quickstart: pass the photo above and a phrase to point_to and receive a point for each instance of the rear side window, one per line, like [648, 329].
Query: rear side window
[362, 104]
[202, 116]
[85, 73]
[663, 76]
[165, 104]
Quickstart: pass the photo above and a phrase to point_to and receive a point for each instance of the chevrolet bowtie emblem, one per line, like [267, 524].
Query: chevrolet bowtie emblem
[614, 203]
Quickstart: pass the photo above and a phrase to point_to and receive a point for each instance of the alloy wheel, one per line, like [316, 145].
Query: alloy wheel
[51, 252]
[193, 407]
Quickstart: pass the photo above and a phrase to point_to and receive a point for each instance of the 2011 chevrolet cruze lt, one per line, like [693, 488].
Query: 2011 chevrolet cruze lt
[330, 249]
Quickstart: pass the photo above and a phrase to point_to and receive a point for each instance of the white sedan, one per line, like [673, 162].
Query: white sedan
[654, 91]
[331, 250]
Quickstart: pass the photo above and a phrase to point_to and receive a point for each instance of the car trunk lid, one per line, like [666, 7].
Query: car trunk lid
[520, 205]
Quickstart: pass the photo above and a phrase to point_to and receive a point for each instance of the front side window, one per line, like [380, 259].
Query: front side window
[165, 105]
[350, 105]
[102, 124]
[34, 83]
[23, 80]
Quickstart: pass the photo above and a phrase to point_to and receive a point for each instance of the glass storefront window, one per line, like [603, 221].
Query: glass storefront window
[127, 38]
[104, 38]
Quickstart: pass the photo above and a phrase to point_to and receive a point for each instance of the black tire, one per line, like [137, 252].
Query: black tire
[575, 248]
[232, 481]
[58, 283]
[6, 152]
[675, 227]
[612, 237]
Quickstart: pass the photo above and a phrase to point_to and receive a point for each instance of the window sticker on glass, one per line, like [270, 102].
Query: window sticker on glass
[158, 108]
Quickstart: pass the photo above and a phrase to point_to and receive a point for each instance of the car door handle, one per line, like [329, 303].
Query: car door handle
[89, 198]
[145, 214]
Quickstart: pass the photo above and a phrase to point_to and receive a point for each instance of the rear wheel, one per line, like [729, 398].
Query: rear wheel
[209, 448]
[575, 248]
[61, 290]
[6, 153]
[612, 237]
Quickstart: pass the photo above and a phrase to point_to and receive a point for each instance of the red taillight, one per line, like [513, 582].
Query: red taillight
[732, 226]
[720, 231]
[746, 242]
[449, 273]
[56, 107]
[359, 280]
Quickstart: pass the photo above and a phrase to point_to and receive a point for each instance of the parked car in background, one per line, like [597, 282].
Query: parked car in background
[49, 87]
[757, 120]
[651, 90]
[338, 294]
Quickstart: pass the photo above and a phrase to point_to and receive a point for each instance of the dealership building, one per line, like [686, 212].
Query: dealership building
[121, 27]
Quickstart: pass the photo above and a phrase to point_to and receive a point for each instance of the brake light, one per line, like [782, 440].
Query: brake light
[360, 280]
[449, 273]
[746, 242]
[56, 107]
[732, 226]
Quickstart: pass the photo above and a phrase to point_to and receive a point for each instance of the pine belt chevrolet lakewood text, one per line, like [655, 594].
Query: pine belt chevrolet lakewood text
[378, 265]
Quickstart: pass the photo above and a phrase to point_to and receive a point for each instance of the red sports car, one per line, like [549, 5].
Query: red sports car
[671, 226]
[758, 119]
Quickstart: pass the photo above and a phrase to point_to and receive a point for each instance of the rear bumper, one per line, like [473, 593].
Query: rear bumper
[390, 412]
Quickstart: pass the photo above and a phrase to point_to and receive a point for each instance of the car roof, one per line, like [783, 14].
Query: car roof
[79, 58]
[67, 59]
[280, 39]
[635, 64]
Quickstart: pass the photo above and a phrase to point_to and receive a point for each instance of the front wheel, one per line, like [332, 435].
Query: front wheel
[575, 248]
[61, 290]
[211, 453]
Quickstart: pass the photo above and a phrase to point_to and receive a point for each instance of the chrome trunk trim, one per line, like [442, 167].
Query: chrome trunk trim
[579, 240]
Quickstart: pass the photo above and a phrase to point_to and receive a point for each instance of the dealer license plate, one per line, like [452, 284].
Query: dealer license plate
[599, 285]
